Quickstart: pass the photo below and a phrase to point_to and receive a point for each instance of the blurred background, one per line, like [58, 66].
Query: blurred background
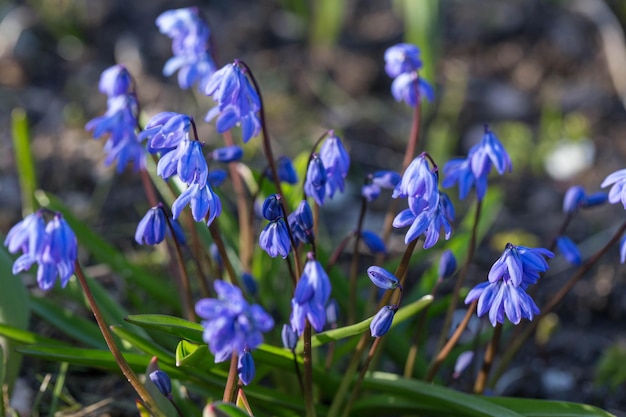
[548, 76]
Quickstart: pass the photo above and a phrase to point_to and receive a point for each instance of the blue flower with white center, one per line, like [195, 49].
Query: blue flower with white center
[237, 101]
[336, 161]
[381, 323]
[165, 131]
[29, 236]
[617, 181]
[151, 229]
[426, 219]
[115, 81]
[505, 291]
[202, 200]
[190, 45]
[245, 367]
[274, 239]
[315, 181]
[310, 298]
[411, 88]
[230, 323]
[569, 250]
[418, 180]
[402, 58]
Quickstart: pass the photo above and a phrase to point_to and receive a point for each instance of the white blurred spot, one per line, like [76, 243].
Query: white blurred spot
[569, 158]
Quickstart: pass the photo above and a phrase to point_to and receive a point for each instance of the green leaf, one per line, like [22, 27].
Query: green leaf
[545, 408]
[24, 159]
[27, 338]
[174, 326]
[193, 355]
[160, 288]
[144, 344]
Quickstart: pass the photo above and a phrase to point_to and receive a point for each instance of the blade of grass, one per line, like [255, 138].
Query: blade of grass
[24, 159]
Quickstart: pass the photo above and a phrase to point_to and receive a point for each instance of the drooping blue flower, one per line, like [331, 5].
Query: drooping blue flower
[505, 291]
[402, 58]
[459, 171]
[381, 323]
[162, 381]
[310, 298]
[289, 337]
[191, 164]
[115, 81]
[230, 323]
[447, 264]
[336, 162]
[151, 229]
[378, 180]
[202, 200]
[315, 181]
[29, 236]
[190, 45]
[237, 101]
[227, 154]
[411, 88]
[574, 199]
[617, 181]
[274, 239]
[382, 278]
[58, 255]
[569, 250]
[272, 209]
[120, 124]
[165, 131]
[286, 171]
[489, 152]
[425, 218]
[462, 362]
[245, 367]
[373, 242]
[418, 180]
[301, 222]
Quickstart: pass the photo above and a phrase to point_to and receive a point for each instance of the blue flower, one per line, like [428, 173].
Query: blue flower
[382, 278]
[230, 323]
[574, 199]
[378, 180]
[595, 199]
[249, 283]
[505, 291]
[162, 381]
[237, 101]
[447, 264]
[418, 180]
[402, 58]
[336, 161]
[217, 177]
[381, 323]
[301, 222]
[245, 367]
[190, 45]
[227, 154]
[426, 218]
[274, 239]
[286, 171]
[411, 88]
[115, 81]
[315, 181]
[310, 298]
[617, 193]
[151, 229]
[489, 151]
[120, 123]
[272, 209]
[59, 254]
[569, 250]
[289, 337]
[373, 242]
[165, 131]
[191, 164]
[202, 200]
[622, 250]
[29, 236]
[459, 171]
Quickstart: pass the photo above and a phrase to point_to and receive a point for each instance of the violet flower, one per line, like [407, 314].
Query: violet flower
[310, 298]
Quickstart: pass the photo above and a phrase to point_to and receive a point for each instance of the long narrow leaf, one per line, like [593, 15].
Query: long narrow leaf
[24, 159]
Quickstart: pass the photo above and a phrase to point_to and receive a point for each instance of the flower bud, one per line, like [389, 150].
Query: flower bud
[286, 171]
[382, 278]
[228, 154]
[162, 382]
[574, 198]
[246, 367]
[447, 264]
[374, 243]
[382, 321]
[290, 338]
[595, 199]
[272, 209]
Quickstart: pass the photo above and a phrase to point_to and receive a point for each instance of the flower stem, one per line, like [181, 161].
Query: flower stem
[308, 372]
[357, 386]
[490, 353]
[517, 343]
[462, 274]
[447, 348]
[217, 239]
[231, 381]
[130, 375]
[354, 264]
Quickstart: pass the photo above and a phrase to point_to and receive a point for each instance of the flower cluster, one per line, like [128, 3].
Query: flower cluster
[119, 121]
[237, 101]
[51, 246]
[383, 279]
[231, 325]
[310, 298]
[327, 170]
[429, 209]
[508, 279]
[402, 63]
[190, 46]
[473, 171]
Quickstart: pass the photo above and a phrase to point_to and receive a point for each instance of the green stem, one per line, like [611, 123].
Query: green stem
[130, 375]
[517, 343]
[308, 372]
[490, 354]
[354, 264]
[357, 386]
[454, 299]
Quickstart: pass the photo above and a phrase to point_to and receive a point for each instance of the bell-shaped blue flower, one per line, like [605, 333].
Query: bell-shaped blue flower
[569, 250]
[191, 164]
[381, 323]
[574, 199]
[227, 154]
[426, 219]
[310, 298]
[289, 337]
[316, 179]
[489, 151]
[382, 278]
[115, 81]
[151, 229]
[202, 200]
[272, 209]
[402, 58]
[336, 162]
[301, 223]
[245, 368]
[165, 131]
[59, 254]
[411, 88]
[274, 239]
[162, 381]
[286, 171]
[418, 180]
